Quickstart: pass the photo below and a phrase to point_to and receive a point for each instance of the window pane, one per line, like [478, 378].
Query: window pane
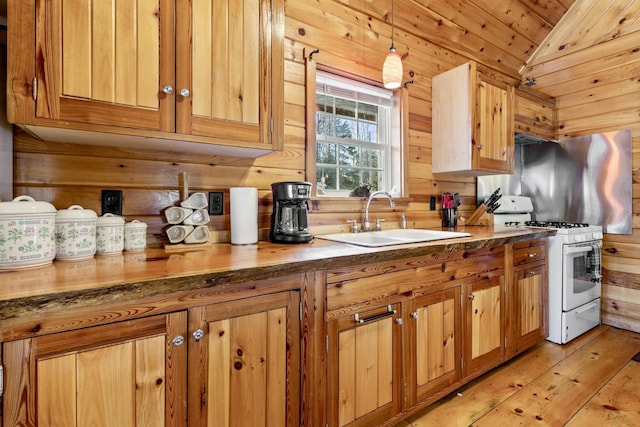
[349, 178]
[368, 112]
[345, 128]
[350, 155]
[329, 175]
[367, 132]
[324, 103]
[371, 158]
[345, 107]
[372, 177]
[326, 152]
[324, 124]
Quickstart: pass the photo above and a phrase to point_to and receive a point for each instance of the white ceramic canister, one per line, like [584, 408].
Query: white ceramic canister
[27, 236]
[75, 233]
[135, 235]
[109, 234]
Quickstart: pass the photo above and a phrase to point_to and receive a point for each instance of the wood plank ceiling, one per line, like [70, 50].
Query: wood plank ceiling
[555, 46]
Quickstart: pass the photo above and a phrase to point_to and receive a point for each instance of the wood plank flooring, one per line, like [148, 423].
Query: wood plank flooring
[593, 380]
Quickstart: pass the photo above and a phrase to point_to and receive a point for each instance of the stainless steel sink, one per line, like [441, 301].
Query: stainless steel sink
[398, 236]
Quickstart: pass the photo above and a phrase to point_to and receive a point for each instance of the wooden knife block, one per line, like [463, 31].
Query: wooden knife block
[480, 217]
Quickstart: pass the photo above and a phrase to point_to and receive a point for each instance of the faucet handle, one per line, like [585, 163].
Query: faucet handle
[354, 225]
[378, 225]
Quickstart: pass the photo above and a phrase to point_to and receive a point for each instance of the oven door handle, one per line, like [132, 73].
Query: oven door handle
[569, 250]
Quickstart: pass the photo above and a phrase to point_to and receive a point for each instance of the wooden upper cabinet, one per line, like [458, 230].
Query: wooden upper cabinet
[473, 123]
[230, 70]
[101, 64]
[206, 71]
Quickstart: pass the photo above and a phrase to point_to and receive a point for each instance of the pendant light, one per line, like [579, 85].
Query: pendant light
[392, 68]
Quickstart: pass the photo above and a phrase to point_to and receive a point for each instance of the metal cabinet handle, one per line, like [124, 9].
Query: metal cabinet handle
[198, 334]
[178, 341]
[533, 255]
[399, 321]
[389, 312]
[167, 89]
[185, 93]
[472, 297]
[479, 146]
[414, 314]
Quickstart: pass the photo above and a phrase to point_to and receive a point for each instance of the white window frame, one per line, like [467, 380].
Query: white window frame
[389, 132]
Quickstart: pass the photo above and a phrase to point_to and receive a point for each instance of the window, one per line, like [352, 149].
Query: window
[356, 143]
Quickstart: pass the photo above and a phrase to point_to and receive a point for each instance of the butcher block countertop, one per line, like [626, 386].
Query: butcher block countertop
[132, 276]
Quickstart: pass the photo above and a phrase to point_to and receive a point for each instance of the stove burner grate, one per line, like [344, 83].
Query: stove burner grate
[556, 224]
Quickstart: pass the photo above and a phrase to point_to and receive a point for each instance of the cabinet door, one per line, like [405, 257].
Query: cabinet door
[364, 374]
[244, 359]
[126, 374]
[484, 316]
[530, 304]
[494, 136]
[105, 62]
[435, 328]
[230, 69]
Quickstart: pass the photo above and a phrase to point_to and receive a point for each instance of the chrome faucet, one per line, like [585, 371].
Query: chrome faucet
[367, 224]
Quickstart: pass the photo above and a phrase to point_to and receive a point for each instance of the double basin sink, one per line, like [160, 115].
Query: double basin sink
[397, 236]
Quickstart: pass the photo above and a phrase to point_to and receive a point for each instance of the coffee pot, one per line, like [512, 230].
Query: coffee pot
[289, 219]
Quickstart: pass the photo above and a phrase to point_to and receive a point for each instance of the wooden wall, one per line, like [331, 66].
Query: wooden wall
[600, 107]
[355, 40]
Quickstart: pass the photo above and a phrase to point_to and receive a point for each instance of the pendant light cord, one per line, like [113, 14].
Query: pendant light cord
[392, 24]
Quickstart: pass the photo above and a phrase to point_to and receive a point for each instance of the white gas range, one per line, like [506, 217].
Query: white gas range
[574, 269]
[575, 276]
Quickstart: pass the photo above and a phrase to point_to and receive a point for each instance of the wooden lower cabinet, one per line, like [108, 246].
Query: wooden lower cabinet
[244, 362]
[528, 312]
[239, 365]
[364, 367]
[483, 326]
[126, 374]
[433, 342]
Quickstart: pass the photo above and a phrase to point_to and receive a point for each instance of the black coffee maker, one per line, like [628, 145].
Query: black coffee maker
[289, 217]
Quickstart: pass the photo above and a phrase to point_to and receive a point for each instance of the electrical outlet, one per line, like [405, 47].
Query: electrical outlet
[112, 202]
[216, 203]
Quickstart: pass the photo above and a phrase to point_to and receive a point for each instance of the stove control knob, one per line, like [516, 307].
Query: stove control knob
[580, 238]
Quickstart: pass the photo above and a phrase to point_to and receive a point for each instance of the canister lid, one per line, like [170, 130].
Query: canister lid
[25, 205]
[74, 213]
[135, 225]
[110, 219]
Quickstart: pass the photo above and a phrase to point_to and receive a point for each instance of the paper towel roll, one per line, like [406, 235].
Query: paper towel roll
[244, 215]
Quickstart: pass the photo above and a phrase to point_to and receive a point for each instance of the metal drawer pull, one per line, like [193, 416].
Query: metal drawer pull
[178, 341]
[472, 297]
[533, 255]
[389, 312]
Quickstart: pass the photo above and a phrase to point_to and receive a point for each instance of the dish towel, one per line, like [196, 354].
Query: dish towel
[594, 266]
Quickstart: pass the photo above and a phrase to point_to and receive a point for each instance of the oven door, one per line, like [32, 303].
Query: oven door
[581, 274]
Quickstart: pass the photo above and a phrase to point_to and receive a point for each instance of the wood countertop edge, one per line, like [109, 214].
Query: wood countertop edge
[344, 255]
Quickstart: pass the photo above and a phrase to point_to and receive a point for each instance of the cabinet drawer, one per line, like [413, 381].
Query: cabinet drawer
[529, 254]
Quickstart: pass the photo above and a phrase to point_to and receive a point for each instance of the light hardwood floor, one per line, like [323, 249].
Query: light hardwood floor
[592, 381]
